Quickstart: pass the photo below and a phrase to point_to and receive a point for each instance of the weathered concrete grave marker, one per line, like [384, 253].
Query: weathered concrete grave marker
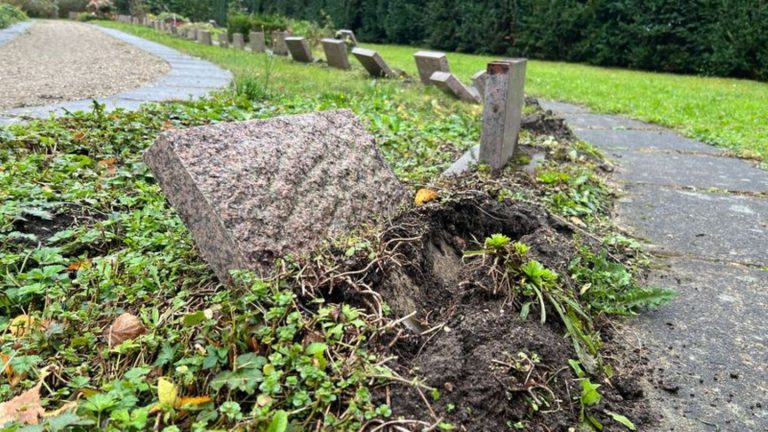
[252, 191]
[336, 53]
[223, 40]
[502, 111]
[346, 35]
[428, 62]
[278, 43]
[204, 37]
[373, 63]
[451, 85]
[238, 41]
[257, 42]
[299, 49]
[478, 82]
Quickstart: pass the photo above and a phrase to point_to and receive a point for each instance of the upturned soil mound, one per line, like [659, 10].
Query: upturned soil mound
[493, 371]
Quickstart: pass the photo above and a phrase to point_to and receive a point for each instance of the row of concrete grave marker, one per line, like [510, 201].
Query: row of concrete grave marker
[500, 86]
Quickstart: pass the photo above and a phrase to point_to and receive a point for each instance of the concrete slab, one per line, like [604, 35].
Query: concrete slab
[709, 225]
[711, 347]
[610, 139]
[605, 121]
[698, 171]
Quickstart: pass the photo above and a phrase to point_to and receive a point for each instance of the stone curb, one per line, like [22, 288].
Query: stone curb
[189, 78]
[10, 33]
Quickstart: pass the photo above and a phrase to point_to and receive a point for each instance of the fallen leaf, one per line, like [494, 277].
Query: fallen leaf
[125, 327]
[167, 393]
[61, 410]
[24, 408]
[578, 222]
[192, 401]
[13, 378]
[22, 323]
[75, 266]
[424, 196]
[78, 136]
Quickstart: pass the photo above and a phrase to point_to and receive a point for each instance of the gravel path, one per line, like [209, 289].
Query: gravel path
[58, 61]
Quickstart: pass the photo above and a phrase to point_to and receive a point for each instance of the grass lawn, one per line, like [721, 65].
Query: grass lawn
[726, 112]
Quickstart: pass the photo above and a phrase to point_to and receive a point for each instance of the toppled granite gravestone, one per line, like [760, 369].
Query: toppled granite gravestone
[373, 63]
[346, 36]
[428, 62]
[502, 111]
[278, 43]
[448, 83]
[336, 53]
[257, 42]
[299, 49]
[250, 192]
[238, 41]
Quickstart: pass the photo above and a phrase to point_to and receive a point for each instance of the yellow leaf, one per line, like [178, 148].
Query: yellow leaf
[167, 393]
[21, 324]
[424, 196]
[66, 407]
[192, 401]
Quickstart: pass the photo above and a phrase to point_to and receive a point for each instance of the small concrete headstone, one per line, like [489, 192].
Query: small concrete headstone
[502, 111]
[336, 53]
[429, 62]
[250, 192]
[299, 49]
[238, 41]
[373, 63]
[204, 37]
[448, 83]
[257, 42]
[278, 43]
[347, 35]
[134, 21]
[224, 40]
[478, 82]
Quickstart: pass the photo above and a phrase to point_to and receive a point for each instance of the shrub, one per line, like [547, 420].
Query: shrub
[10, 14]
[37, 8]
[67, 6]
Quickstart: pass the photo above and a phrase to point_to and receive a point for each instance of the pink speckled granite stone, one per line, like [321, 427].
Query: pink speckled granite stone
[253, 191]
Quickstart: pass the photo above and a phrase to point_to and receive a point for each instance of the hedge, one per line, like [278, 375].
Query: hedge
[9, 15]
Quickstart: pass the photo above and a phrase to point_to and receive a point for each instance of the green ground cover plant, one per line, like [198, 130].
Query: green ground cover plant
[108, 311]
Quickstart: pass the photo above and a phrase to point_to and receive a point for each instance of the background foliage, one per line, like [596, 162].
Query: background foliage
[10, 15]
[710, 37]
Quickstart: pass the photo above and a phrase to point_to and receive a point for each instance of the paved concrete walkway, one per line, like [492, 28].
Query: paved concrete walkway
[189, 78]
[8, 33]
[706, 216]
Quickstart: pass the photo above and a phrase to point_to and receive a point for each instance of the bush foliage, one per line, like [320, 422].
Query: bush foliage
[10, 14]
[710, 37]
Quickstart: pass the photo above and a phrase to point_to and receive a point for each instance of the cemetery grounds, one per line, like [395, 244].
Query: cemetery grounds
[87, 237]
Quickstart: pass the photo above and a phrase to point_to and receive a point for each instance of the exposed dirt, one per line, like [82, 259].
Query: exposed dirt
[464, 340]
[545, 123]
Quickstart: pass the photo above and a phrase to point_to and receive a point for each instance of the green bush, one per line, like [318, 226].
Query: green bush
[67, 6]
[10, 14]
[37, 8]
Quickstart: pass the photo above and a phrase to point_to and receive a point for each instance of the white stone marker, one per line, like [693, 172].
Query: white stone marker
[429, 62]
[299, 49]
[257, 42]
[336, 53]
[502, 111]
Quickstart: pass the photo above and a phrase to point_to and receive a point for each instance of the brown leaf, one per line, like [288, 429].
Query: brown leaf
[13, 378]
[125, 327]
[24, 408]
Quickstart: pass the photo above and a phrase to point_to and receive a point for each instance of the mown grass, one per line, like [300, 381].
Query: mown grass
[730, 113]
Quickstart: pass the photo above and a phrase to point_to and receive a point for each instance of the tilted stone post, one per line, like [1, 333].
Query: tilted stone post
[429, 62]
[336, 53]
[238, 41]
[373, 63]
[257, 42]
[448, 83]
[502, 111]
[299, 49]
